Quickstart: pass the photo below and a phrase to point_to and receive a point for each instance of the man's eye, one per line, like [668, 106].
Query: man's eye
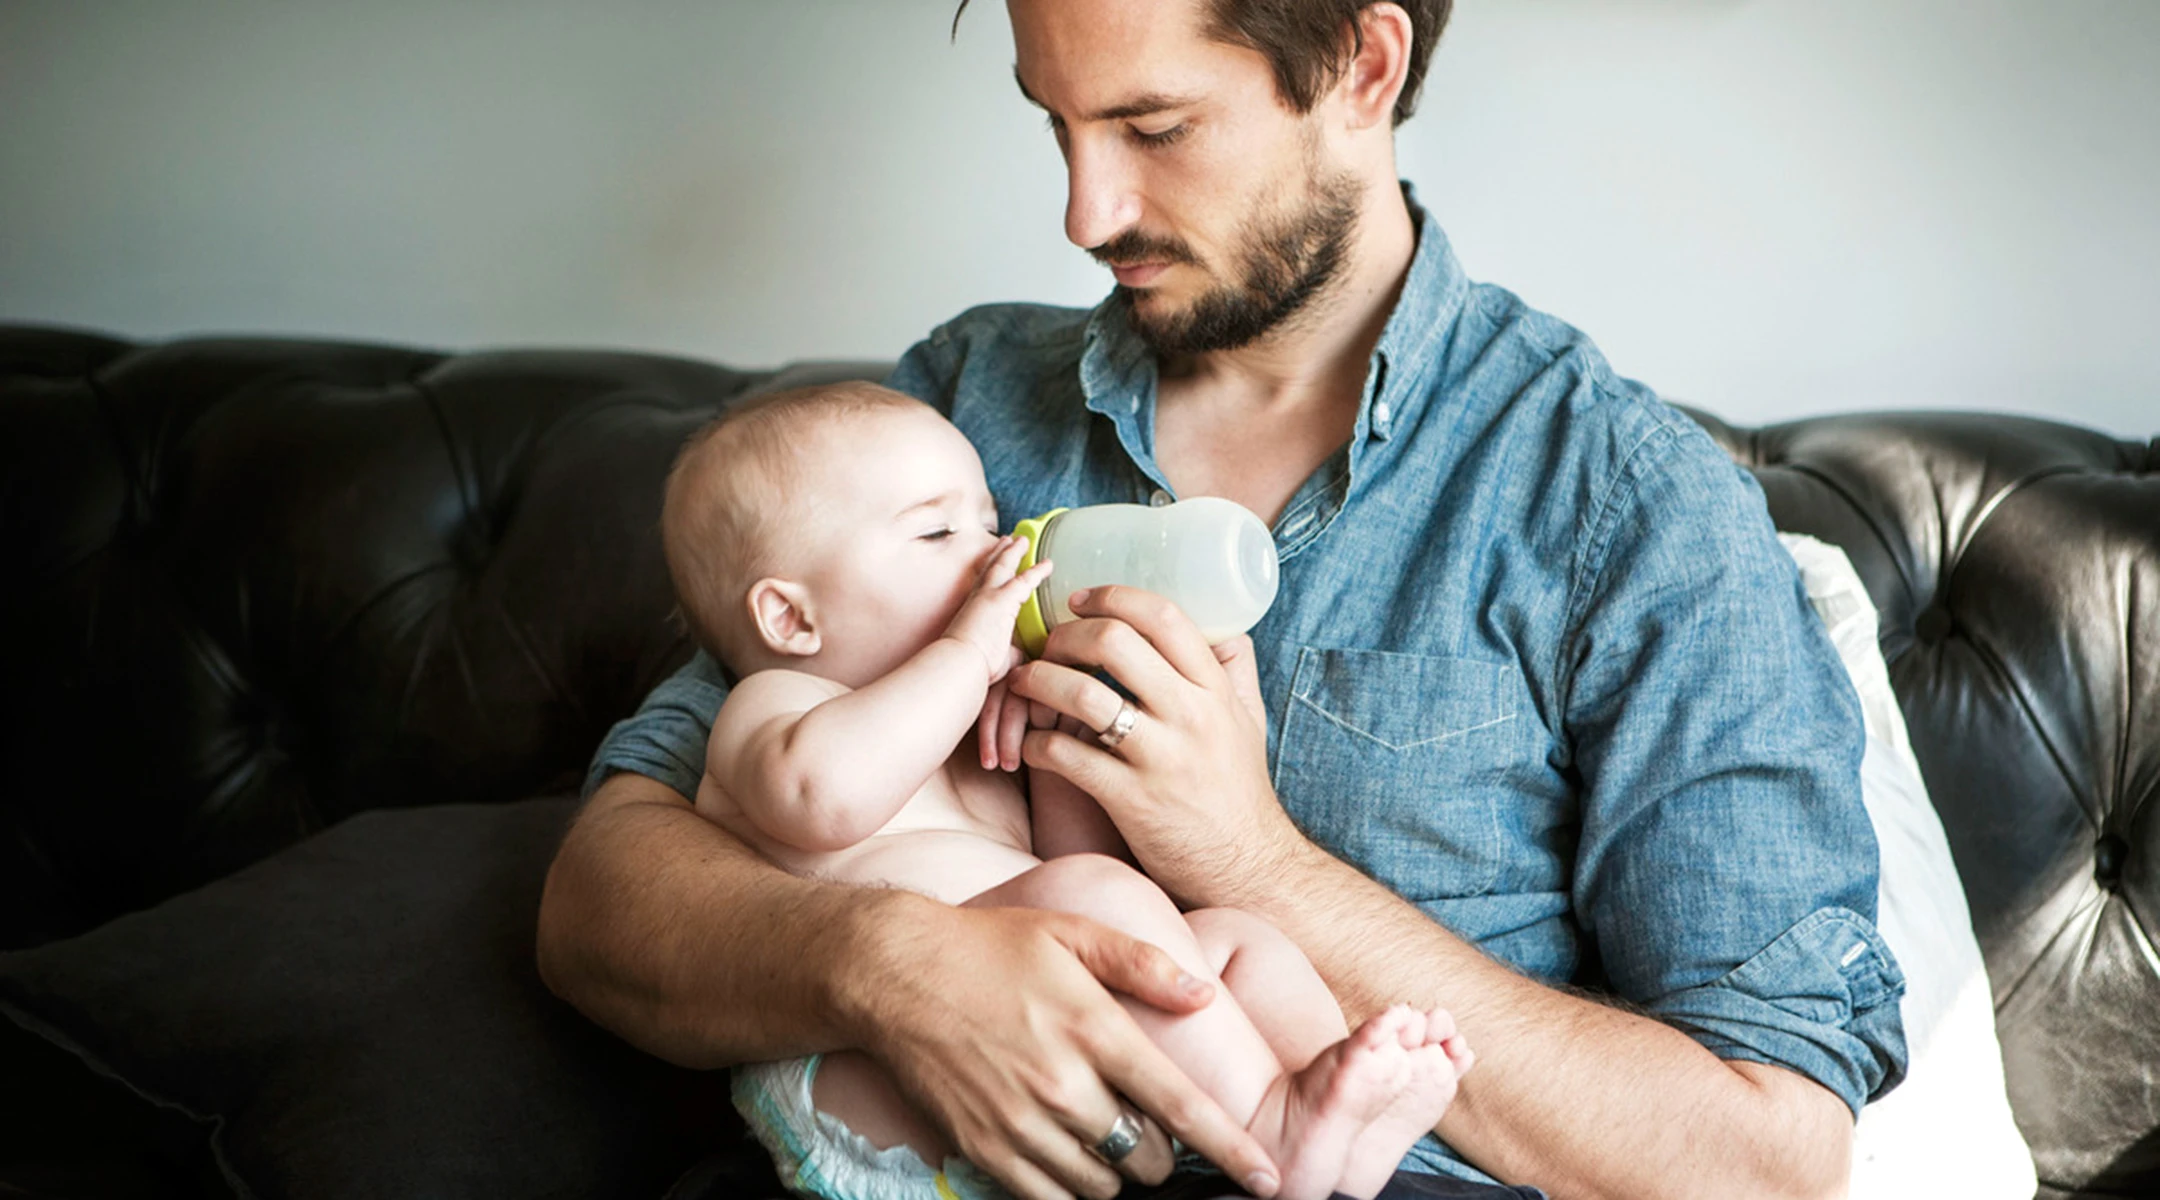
[1162, 137]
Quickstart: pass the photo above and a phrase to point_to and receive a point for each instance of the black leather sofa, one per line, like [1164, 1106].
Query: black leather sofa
[255, 587]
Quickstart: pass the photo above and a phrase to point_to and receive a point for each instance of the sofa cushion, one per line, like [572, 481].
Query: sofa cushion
[360, 1016]
[1947, 1129]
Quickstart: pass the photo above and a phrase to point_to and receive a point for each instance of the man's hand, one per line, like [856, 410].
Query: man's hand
[1188, 787]
[997, 1022]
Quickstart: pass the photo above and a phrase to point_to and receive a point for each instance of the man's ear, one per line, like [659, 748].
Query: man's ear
[785, 619]
[1377, 71]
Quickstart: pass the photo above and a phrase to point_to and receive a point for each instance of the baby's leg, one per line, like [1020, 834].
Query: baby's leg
[1220, 1048]
[1293, 1008]
[1308, 1121]
[1435, 1058]
[1217, 1046]
[857, 1089]
[1273, 981]
[1226, 1056]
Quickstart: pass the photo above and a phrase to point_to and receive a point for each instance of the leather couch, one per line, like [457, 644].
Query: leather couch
[255, 587]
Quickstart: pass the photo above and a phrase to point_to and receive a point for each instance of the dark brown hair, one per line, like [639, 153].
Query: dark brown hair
[1303, 40]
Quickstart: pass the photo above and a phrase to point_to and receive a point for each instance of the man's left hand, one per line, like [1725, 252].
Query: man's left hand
[1188, 785]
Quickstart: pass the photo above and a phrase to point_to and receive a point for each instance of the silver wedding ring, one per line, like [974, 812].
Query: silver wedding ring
[1122, 1140]
[1120, 725]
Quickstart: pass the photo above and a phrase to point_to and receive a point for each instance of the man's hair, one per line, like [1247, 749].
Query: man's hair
[1310, 42]
[734, 486]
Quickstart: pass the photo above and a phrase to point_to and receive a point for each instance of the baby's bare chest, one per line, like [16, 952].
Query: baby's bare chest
[963, 832]
[961, 797]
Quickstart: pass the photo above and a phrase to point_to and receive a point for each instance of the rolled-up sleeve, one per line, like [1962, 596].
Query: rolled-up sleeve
[665, 739]
[1727, 869]
[1821, 1000]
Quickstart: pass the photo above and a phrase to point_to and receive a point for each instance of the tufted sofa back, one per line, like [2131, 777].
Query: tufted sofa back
[2016, 566]
[255, 586]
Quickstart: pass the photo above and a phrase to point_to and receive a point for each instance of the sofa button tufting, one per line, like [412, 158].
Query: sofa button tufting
[2108, 860]
[1933, 624]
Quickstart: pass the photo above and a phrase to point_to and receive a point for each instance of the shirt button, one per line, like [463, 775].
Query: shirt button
[1160, 498]
[1380, 414]
[1133, 405]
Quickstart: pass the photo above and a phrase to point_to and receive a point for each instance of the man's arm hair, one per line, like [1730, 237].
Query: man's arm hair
[1576, 1095]
[663, 927]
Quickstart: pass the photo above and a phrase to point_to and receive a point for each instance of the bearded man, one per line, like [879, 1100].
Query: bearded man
[1554, 741]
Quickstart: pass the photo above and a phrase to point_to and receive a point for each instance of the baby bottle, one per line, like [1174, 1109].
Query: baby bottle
[1211, 557]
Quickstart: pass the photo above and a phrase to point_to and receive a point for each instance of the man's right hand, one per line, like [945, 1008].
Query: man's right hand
[999, 1025]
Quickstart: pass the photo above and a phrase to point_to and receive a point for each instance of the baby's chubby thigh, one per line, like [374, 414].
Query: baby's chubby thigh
[1216, 1046]
[1108, 891]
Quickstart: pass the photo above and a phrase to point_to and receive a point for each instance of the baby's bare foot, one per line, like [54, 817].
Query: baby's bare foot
[1320, 1114]
[1437, 1057]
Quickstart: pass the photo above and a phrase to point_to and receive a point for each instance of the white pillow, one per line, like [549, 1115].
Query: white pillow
[1946, 1130]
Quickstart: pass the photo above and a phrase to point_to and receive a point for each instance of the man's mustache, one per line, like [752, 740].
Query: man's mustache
[1133, 247]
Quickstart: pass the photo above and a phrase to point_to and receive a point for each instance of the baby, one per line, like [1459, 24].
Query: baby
[837, 548]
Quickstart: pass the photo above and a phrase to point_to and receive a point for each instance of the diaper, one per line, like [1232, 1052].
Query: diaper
[816, 1153]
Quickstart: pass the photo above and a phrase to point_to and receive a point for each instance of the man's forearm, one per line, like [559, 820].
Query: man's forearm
[646, 897]
[1581, 1099]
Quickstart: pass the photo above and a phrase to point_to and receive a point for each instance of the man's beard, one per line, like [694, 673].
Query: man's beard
[1287, 261]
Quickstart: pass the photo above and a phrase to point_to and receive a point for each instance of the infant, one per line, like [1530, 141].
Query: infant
[837, 548]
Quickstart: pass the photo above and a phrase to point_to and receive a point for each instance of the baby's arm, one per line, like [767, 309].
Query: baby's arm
[820, 768]
[1067, 820]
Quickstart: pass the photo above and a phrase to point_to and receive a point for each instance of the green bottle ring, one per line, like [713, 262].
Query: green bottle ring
[1030, 628]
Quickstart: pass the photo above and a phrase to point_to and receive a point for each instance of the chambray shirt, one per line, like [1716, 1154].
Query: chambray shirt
[1538, 664]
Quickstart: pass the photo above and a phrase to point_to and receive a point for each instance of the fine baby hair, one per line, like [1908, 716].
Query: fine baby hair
[732, 497]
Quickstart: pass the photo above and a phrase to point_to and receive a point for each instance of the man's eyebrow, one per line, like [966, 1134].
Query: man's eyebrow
[1139, 106]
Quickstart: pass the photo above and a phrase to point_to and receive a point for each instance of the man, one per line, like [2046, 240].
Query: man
[1546, 704]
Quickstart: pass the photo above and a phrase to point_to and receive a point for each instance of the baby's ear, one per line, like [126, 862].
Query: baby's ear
[781, 612]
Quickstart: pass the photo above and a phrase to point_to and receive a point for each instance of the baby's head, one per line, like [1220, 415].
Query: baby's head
[832, 529]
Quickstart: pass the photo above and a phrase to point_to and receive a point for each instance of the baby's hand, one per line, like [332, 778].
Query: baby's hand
[986, 620]
[1004, 724]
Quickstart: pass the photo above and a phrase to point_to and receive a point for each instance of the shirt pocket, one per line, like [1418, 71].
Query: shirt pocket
[1392, 762]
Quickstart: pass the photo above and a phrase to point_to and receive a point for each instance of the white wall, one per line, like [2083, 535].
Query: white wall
[1769, 207]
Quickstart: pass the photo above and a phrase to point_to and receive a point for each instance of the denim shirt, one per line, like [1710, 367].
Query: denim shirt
[1538, 664]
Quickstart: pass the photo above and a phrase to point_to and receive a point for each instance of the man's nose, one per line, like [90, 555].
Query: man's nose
[1101, 199]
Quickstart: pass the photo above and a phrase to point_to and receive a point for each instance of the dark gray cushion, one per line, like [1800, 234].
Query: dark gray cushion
[360, 1016]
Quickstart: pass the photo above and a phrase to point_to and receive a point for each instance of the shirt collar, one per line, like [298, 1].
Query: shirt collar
[1416, 333]
[1117, 370]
